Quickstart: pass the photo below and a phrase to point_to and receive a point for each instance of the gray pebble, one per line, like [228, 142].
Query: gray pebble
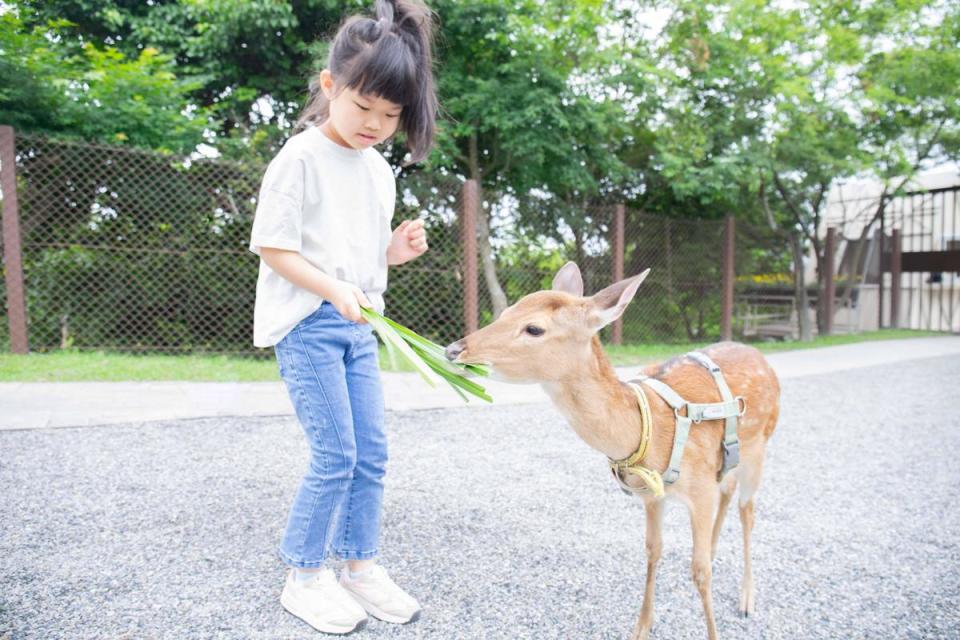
[499, 520]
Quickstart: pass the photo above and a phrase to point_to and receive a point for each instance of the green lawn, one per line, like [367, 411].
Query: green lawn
[94, 366]
[646, 353]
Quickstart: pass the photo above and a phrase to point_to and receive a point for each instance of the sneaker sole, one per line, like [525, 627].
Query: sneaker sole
[294, 609]
[379, 614]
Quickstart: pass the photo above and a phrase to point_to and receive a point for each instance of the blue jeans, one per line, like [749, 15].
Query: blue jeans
[330, 367]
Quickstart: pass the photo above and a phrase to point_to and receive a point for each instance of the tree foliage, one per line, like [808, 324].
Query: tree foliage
[768, 106]
[92, 91]
[738, 107]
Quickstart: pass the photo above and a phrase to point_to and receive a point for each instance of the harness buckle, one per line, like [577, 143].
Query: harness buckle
[696, 420]
[743, 405]
[731, 455]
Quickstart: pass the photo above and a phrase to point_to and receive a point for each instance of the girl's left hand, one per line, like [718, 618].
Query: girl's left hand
[409, 241]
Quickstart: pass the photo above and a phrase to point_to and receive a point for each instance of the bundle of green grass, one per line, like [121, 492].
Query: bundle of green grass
[427, 357]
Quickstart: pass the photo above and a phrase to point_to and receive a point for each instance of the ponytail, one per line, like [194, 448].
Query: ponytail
[389, 56]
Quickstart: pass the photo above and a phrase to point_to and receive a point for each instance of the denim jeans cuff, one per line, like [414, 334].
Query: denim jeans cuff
[301, 564]
[357, 555]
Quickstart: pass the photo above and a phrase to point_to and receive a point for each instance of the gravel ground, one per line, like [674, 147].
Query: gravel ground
[168, 529]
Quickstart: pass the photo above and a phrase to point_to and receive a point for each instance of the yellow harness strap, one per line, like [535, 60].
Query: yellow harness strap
[652, 480]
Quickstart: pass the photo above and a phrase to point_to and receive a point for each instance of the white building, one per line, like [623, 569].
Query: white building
[928, 221]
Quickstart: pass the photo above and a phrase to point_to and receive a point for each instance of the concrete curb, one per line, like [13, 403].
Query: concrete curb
[39, 405]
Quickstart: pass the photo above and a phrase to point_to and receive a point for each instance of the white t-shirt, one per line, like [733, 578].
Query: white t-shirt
[334, 206]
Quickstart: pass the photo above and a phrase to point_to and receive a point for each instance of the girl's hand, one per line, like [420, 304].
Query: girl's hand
[348, 299]
[409, 241]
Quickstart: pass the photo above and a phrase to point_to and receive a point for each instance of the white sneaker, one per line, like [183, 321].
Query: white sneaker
[322, 603]
[380, 596]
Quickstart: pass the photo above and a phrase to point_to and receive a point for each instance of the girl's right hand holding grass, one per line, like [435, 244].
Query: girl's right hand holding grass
[348, 299]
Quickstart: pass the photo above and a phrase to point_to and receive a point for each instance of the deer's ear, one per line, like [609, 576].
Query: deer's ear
[568, 279]
[610, 303]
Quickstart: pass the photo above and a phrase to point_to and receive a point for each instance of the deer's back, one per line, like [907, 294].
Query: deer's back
[747, 373]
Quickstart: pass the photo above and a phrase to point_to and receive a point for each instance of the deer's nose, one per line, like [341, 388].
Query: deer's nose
[455, 349]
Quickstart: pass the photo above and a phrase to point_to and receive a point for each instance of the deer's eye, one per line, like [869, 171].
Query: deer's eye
[534, 330]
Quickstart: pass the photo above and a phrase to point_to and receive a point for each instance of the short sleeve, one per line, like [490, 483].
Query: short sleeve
[391, 193]
[278, 221]
[387, 184]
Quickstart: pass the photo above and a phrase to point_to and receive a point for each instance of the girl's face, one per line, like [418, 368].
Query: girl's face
[357, 121]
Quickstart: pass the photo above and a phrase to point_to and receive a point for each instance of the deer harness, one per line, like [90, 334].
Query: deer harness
[730, 409]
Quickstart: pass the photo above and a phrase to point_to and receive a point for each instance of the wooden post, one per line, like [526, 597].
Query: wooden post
[726, 318]
[881, 249]
[619, 242]
[829, 285]
[896, 267]
[12, 257]
[470, 202]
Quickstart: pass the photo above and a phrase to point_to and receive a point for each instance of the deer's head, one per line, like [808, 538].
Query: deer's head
[545, 333]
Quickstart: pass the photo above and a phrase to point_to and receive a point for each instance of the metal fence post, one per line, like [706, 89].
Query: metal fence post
[618, 252]
[470, 201]
[12, 257]
[829, 286]
[896, 265]
[726, 318]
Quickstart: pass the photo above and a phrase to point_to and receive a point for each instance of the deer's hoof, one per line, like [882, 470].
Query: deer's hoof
[747, 597]
[641, 631]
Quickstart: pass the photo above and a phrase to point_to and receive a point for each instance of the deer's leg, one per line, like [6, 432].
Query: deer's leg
[749, 484]
[727, 488]
[747, 592]
[702, 510]
[654, 544]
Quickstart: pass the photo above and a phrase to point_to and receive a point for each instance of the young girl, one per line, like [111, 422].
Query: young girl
[322, 231]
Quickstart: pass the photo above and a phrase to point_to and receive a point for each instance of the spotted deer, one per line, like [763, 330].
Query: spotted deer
[550, 337]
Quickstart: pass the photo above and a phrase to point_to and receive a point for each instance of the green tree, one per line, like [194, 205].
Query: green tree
[92, 92]
[516, 121]
[770, 105]
[246, 62]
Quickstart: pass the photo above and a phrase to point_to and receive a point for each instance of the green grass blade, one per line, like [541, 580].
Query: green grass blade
[427, 357]
[478, 369]
[434, 348]
[441, 362]
[415, 337]
[456, 388]
[391, 351]
[458, 382]
[450, 373]
[388, 333]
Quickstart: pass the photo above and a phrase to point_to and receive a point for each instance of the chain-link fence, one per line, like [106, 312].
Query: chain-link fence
[426, 294]
[681, 298]
[765, 306]
[131, 250]
[678, 302]
[525, 262]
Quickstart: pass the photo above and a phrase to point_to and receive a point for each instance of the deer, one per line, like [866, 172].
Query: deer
[550, 337]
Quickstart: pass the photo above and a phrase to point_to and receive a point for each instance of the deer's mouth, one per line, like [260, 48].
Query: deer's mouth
[468, 359]
[458, 353]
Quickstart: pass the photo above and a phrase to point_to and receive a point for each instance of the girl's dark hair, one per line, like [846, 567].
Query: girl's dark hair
[389, 57]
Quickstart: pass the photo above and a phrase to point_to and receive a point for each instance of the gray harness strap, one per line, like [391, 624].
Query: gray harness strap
[730, 409]
[680, 433]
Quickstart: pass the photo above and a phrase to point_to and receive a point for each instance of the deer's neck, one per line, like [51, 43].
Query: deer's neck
[601, 409]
